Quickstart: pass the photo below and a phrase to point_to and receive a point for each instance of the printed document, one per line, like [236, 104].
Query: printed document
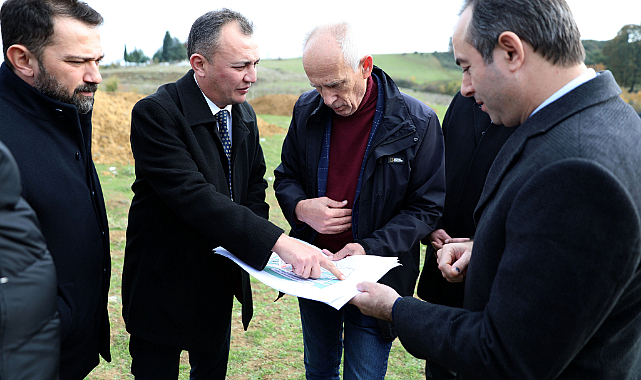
[327, 288]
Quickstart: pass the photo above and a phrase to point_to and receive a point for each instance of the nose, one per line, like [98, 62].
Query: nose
[92, 73]
[467, 89]
[252, 74]
[329, 96]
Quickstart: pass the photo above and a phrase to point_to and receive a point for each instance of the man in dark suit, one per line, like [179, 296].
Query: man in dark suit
[47, 81]
[553, 287]
[471, 144]
[191, 197]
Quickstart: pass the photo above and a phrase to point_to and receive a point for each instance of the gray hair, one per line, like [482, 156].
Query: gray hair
[346, 38]
[546, 25]
[205, 31]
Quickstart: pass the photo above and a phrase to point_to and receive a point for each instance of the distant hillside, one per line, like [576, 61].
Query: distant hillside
[431, 77]
[427, 72]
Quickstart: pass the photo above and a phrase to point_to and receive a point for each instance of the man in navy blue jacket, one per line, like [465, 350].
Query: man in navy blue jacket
[47, 82]
[362, 172]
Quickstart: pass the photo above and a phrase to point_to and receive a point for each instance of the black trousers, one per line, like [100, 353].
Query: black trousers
[152, 361]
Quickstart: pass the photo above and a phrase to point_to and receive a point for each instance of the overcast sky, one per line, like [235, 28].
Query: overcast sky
[401, 26]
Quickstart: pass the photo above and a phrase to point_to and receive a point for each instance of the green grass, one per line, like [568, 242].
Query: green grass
[420, 68]
[272, 348]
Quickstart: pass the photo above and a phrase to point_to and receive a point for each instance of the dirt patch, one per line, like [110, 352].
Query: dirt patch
[276, 104]
[112, 123]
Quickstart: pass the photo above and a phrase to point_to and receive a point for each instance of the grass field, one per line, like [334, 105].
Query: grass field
[272, 347]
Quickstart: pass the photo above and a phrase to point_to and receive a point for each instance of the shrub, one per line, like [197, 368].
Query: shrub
[111, 84]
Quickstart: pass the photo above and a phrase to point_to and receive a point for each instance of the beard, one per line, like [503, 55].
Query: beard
[49, 85]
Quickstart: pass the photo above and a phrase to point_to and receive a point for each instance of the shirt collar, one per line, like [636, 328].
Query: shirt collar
[212, 106]
[589, 74]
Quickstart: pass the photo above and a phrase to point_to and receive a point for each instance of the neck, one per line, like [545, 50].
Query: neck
[546, 80]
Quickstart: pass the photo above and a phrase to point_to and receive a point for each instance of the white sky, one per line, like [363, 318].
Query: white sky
[401, 26]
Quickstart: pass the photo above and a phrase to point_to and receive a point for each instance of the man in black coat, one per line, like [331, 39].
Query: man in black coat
[471, 144]
[30, 327]
[553, 287]
[191, 197]
[47, 81]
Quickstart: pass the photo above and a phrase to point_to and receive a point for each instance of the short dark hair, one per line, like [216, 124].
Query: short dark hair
[205, 31]
[546, 25]
[30, 22]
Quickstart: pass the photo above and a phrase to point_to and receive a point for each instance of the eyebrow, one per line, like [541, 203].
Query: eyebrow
[79, 57]
[330, 84]
[246, 62]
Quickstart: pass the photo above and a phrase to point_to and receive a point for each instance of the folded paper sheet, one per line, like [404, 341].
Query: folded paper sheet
[328, 289]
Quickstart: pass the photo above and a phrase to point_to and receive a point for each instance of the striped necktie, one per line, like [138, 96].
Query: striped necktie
[221, 118]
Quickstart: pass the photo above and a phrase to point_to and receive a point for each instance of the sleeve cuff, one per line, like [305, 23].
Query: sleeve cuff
[394, 307]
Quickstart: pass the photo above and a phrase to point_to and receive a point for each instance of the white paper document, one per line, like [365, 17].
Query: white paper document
[327, 288]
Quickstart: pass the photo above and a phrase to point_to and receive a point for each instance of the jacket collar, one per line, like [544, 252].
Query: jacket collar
[24, 96]
[595, 91]
[396, 117]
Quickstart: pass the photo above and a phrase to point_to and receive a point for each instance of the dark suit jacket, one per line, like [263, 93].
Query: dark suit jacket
[471, 144]
[553, 289]
[175, 291]
[51, 143]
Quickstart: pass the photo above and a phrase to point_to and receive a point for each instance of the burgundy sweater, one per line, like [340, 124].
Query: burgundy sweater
[347, 149]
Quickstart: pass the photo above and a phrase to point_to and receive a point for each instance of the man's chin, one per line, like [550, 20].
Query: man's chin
[84, 104]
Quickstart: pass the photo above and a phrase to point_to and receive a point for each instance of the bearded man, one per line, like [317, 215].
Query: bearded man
[47, 84]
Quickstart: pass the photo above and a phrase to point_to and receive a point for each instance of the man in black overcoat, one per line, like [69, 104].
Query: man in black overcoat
[47, 81]
[191, 197]
[553, 286]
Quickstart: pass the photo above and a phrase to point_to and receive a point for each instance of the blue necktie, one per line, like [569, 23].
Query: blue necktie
[221, 118]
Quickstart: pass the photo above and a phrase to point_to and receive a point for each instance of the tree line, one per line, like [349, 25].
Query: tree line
[172, 50]
[621, 55]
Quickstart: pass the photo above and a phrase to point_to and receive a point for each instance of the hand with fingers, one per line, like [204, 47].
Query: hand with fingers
[376, 300]
[306, 260]
[349, 249]
[437, 238]
[454, 258]
[324, 215]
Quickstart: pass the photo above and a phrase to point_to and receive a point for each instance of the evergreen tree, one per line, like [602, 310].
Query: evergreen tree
[166, 47]
[136, 56]
[172, 50]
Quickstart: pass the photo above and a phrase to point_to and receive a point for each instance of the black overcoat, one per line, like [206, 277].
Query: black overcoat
[51, 143]
[553, 287]
[175, 291]
[471, 144]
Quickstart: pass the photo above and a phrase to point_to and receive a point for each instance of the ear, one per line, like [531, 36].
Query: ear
[24, 62]
[198, 62]
[367, 65]
[511, 50]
